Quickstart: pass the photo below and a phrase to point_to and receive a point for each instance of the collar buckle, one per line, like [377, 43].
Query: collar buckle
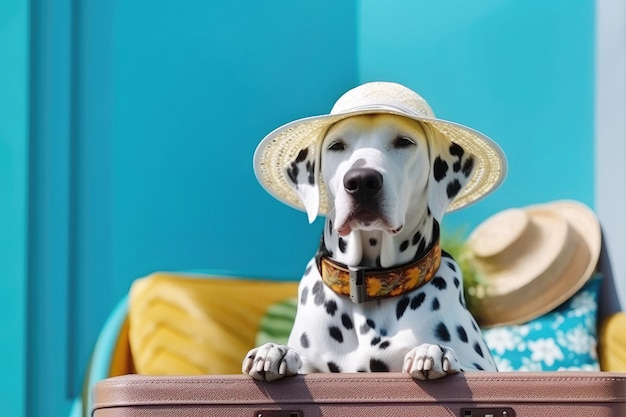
[358, 289]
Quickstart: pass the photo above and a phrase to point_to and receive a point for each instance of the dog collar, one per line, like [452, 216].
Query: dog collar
[364, 284]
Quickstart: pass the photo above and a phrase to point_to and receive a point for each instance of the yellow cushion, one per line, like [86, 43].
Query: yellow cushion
[612, 343]
[184, 325]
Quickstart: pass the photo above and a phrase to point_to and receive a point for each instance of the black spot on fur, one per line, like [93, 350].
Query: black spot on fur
[375, 341]
[477, 366]
[304, 340]
[453, 188]
[442, 333]
[361, 370]
[440, 283]
[304, 295]
[456, 150]
[335, 333]
[435, 305]
[347, 321]
[462, 333]
[330, 227]
[292, 173]
[318, 292]
[417, 301]
[421, 247]
[416, 238]
[451, 266]
[310, 170]
[456, 282]
[332, 367]
[371, 323]
[331, 307]
[468, 167]
[440, 169]
[404, 245]
[478, 350]
[383, 332]
[378, 264]
[373, 241]
[384, 345]
[302, 155]
[378, 366]
[342, 245]
[474, 325]
[401, 307]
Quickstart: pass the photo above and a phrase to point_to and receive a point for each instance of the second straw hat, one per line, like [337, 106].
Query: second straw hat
[533, 259]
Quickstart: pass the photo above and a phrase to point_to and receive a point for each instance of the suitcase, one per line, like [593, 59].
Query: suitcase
[478, 394]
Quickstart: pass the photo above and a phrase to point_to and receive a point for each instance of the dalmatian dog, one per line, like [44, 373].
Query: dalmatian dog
[389, 181]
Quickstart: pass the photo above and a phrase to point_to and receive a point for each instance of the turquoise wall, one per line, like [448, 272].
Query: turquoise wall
[191, 102]
[13, 191]
[521, 72]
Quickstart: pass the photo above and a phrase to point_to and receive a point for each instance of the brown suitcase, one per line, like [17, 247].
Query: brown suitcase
[479, 394]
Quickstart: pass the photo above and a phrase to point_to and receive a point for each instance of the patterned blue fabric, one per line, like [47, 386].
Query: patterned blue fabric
[562, 340]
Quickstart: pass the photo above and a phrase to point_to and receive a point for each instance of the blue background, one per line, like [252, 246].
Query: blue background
[127, 130]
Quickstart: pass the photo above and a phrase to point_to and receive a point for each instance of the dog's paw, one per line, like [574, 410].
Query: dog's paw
[430, 362]
[271, 361]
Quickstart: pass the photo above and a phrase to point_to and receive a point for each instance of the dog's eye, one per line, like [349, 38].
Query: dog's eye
[403, 142]
[337, 146]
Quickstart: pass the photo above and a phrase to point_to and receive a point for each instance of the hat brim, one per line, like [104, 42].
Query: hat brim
[281, 146]
[541, 296]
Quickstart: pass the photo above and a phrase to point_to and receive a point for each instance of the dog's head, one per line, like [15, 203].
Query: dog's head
[379, 171]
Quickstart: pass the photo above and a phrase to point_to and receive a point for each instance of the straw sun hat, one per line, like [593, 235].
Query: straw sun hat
[279, 148]
[533, 259]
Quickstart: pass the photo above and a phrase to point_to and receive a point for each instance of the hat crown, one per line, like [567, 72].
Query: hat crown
[515, 247]
[500, 233]
[383, 96]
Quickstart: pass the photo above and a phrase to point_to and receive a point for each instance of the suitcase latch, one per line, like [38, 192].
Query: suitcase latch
[487, 412]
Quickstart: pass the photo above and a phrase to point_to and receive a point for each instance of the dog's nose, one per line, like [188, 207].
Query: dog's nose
[365, 182]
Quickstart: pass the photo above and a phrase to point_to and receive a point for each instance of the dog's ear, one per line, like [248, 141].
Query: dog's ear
[303, 176]
[451, 167]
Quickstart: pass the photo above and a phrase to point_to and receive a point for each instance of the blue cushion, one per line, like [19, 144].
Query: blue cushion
[562, 340]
